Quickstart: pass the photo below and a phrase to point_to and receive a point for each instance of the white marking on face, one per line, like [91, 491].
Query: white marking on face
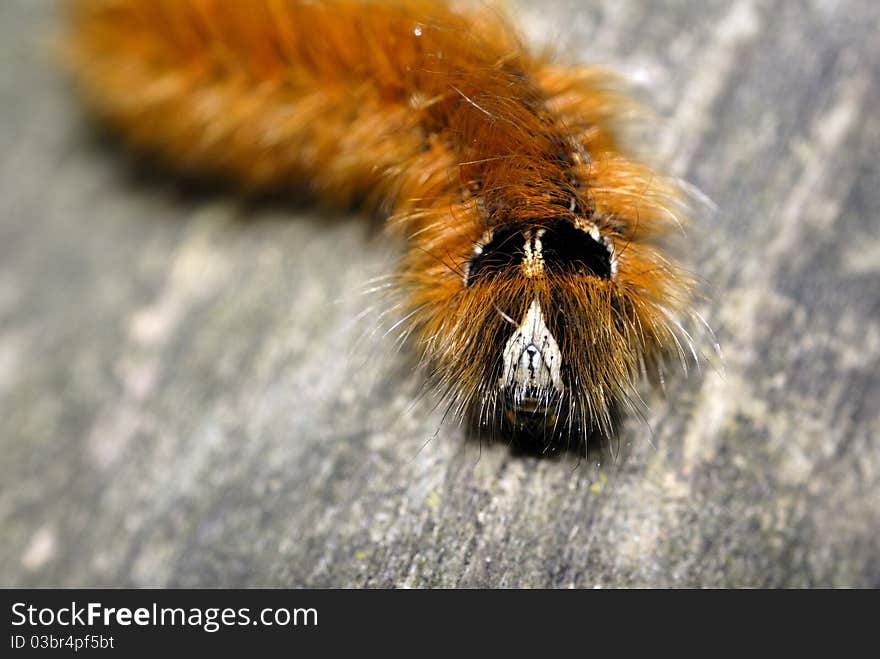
[531, 357]
[533, 258]
[484, 240]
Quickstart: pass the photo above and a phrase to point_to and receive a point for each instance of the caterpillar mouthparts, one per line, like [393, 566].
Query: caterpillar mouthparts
[535, 284]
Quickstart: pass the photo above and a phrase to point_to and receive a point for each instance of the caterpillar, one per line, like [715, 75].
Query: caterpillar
[536, 287]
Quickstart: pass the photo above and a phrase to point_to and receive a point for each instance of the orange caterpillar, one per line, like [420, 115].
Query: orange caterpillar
[535, 288]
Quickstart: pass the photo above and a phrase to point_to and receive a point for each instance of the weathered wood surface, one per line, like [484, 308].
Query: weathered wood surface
[187, 399]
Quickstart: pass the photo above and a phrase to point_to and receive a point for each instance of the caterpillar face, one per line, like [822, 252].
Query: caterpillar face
[540, 327]
[539, 288]
[531, 378]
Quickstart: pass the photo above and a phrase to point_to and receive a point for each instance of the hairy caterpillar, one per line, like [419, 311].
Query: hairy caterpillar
[536, 290]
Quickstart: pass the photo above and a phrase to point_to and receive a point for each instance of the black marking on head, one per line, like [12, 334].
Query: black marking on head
[567, 248]
[559, 246]
[496, 250]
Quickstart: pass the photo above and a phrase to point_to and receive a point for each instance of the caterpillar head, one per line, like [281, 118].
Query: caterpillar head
[537, 278]
[548, 324]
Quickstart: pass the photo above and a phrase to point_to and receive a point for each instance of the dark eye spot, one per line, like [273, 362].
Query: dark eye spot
[504, 248]
[565, 247]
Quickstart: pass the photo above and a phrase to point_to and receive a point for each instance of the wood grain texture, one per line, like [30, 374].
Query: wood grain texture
[188, 398]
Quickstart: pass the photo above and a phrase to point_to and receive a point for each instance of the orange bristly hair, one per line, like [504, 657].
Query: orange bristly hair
[535, 287]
